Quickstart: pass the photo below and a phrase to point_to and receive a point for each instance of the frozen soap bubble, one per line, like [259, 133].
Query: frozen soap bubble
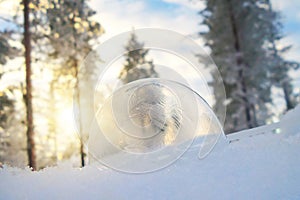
[148, 124]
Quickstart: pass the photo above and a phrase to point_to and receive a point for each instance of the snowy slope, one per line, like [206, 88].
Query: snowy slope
[265, 166]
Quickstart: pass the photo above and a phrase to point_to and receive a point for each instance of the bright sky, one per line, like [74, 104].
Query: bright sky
[118, 16]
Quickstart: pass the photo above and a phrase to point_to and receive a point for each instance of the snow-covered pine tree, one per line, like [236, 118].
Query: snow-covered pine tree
[136, 65]
[237, 33]
[6, 111]
[11, 145]
[69, 32]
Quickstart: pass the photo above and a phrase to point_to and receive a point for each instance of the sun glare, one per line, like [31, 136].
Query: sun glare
[66, 121]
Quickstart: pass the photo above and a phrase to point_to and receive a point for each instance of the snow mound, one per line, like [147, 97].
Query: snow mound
[290, 122]
[262, 167]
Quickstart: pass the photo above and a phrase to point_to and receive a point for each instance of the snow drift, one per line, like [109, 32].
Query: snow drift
[265, 166]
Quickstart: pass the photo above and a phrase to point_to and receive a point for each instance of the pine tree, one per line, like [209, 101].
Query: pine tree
[6, 52]
[11, 130]
[136, 65]
[238, 31]
[61, 32]
[280, 66]
[6, 111]
[71, 34]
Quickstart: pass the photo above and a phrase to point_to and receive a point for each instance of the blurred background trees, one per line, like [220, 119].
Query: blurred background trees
[61, 33]
[72, 36]
[242, 36]
[11, 140]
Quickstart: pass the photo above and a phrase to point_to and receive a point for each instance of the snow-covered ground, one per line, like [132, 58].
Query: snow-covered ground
[264, 166]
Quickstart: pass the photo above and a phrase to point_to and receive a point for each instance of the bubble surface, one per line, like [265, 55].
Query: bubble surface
[148, 124]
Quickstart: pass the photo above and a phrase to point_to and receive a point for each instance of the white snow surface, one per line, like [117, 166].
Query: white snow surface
[265, 166]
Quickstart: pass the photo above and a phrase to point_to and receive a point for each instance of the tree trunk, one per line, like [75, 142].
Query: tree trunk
[255, 122]
[288, 101]
[239, 62]
[51, 118]
[82, 154]
[77, 96]
[28, 96]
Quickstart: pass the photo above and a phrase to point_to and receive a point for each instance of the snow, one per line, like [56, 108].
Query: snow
[290, 122]
[264, 166]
